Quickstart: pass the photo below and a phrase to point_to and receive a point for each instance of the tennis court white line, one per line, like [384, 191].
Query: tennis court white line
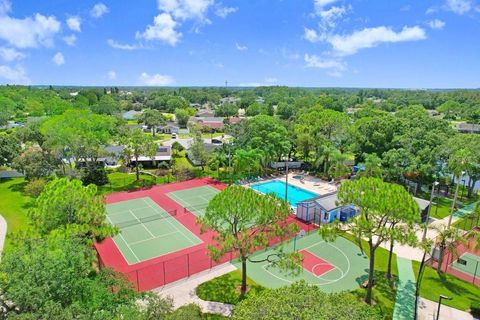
[123, 212]
[140, 222]
[174, 226]
[126, 243]
[160, 236]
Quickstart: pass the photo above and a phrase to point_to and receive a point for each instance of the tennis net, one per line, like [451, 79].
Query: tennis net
[155, 217]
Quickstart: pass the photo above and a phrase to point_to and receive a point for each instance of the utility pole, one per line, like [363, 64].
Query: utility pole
[286, 180]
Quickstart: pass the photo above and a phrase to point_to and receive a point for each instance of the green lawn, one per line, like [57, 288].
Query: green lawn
[119, 181]
[384, 291]
[226, 288]
[14, 203]
[433, 285]
[441, 208]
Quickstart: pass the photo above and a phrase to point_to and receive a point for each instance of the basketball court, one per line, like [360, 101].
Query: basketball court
[334, 267]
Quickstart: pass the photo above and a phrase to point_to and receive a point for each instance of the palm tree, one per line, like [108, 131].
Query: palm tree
[447, 240]
[457, 164]
[247, 161]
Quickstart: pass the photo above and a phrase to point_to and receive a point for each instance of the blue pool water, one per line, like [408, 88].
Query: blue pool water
[295, 194]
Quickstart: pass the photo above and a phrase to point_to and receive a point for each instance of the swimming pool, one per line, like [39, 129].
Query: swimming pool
[295, 194]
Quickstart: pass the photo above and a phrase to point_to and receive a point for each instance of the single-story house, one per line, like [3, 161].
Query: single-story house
[204, 113]
[215, 123]
[228, 100]
[468, 128]
[208, 146]
[170, 127]
[324, 209]
[164, 154]
[131, 115]
[291, 165]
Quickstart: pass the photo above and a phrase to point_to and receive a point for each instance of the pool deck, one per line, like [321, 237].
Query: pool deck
[310, 183]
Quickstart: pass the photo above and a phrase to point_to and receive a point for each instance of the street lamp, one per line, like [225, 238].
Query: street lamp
[435, 183]
[441, 297]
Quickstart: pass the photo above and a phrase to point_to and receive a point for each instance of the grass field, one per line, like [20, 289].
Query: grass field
[441, 209]
[14, 203]
[434, 284]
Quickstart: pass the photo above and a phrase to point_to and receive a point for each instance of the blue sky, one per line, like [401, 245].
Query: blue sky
[314, 43]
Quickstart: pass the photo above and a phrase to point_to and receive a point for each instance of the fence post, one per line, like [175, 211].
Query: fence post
[164, 278]
[138, 282]
[188, 264]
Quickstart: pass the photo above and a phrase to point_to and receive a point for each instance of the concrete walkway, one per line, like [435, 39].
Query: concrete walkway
[427, 310]
[184, 291]
[3, 234]
[405, 299]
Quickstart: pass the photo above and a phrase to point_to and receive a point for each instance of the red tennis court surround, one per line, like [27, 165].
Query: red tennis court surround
[314, 264]
[156, 272]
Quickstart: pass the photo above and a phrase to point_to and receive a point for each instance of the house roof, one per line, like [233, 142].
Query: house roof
[423, 204]
[328, 201]
[468, 127]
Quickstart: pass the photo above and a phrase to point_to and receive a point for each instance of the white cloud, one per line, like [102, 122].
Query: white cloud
[74, 23]
[330, 17]
[14, 75]
[163, 29]
[370, 37]
[58, 59]
[70, 40]
[155, 79]
[29, 32]
[314, 61]
[114, 44]
[319, 5]
[436, 24]
[112, 75]
[459, 6]
[223, 12]
[5, 7]
[98, 10]
[240, 47]
[11, 54]
[311, 35]
[186, 9]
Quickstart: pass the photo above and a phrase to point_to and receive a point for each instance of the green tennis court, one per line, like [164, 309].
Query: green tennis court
[194, 200]
[340, 265]
[147, 231]
[470, 266]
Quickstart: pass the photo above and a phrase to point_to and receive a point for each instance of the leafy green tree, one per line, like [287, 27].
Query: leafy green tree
[62, 284]
[327, 129]
[79, 136]
[182, 116]
[256, 109]
[198, 150]
[76, 210]
[303, 301]
[267, 134]
[177, 147]
[372, 166]
[450, 108]
[35, 163]
[9, 148]
[243, 221]
[153, 118]
[247, 162]
[378, 203]
[137, 144]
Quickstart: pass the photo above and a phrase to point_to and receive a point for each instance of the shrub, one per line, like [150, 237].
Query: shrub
[35, 187]
[97, 176]
[475, 309]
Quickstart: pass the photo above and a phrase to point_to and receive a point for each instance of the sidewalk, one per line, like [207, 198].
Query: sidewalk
[405, 299]
[3, 234]
[427, 310]
[183, 291]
